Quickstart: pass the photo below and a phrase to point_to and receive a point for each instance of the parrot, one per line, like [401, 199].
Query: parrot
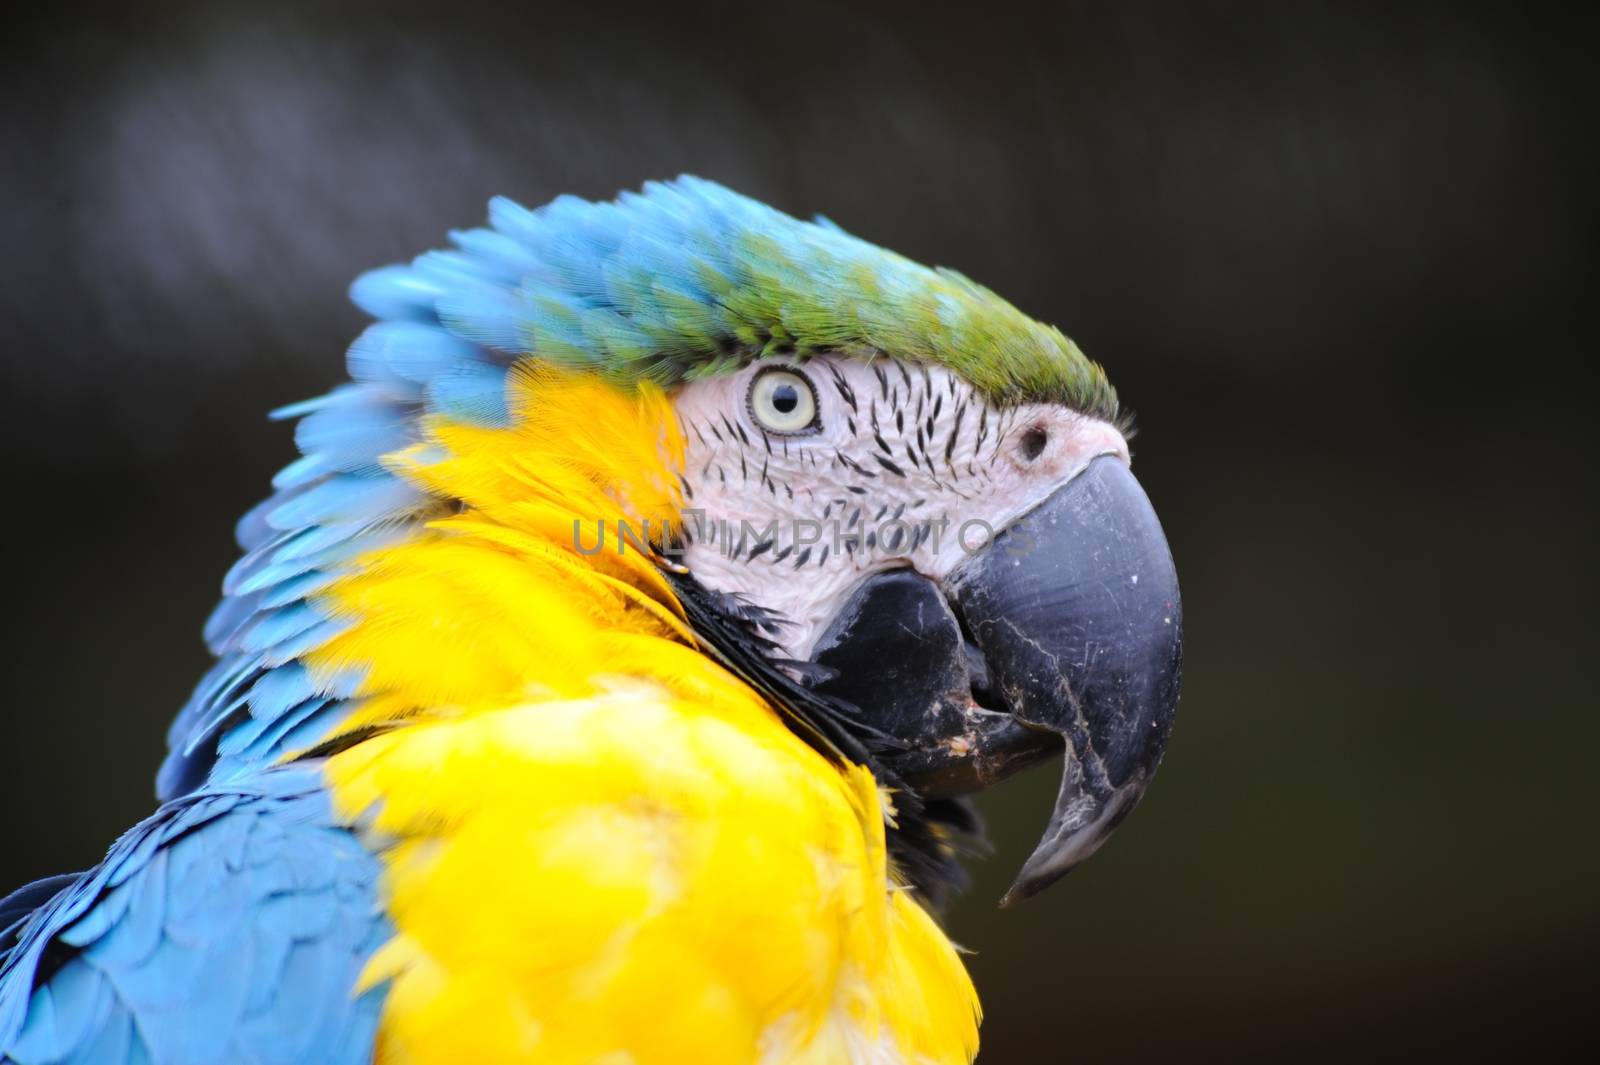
[609, 677]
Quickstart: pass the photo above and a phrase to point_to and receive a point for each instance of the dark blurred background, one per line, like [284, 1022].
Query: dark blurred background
[1333, 255]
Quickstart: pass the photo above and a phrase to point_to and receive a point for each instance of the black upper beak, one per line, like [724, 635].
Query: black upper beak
[1065, 632]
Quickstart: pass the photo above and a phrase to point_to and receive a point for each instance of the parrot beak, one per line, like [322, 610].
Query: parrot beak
[1064, 635]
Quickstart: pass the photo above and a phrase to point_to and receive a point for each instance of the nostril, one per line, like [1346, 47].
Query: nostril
[1032, 443]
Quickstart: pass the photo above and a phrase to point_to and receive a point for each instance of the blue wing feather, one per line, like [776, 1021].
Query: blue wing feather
[230, 926]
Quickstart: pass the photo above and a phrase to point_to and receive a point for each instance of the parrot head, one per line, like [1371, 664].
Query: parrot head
[891, 503]
[977, 577]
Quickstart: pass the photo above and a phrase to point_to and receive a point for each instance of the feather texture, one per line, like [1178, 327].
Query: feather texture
[249, 900]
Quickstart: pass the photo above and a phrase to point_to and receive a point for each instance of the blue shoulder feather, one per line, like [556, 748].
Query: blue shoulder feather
[230, 926]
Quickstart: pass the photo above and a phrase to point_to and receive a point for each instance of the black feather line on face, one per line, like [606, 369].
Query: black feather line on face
[846, 393]
[856, 467]
[927, 839]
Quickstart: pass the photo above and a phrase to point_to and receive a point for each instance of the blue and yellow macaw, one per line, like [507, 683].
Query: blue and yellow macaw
[604, 681]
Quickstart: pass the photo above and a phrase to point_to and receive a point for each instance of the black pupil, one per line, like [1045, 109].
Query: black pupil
[785, 398]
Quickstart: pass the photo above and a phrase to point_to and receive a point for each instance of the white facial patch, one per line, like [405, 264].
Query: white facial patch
[903, 465]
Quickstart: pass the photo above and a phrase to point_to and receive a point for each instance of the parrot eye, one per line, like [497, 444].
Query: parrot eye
[782, 401]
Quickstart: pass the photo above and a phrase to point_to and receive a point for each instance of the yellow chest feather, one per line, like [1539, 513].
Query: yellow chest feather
[626, 877]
